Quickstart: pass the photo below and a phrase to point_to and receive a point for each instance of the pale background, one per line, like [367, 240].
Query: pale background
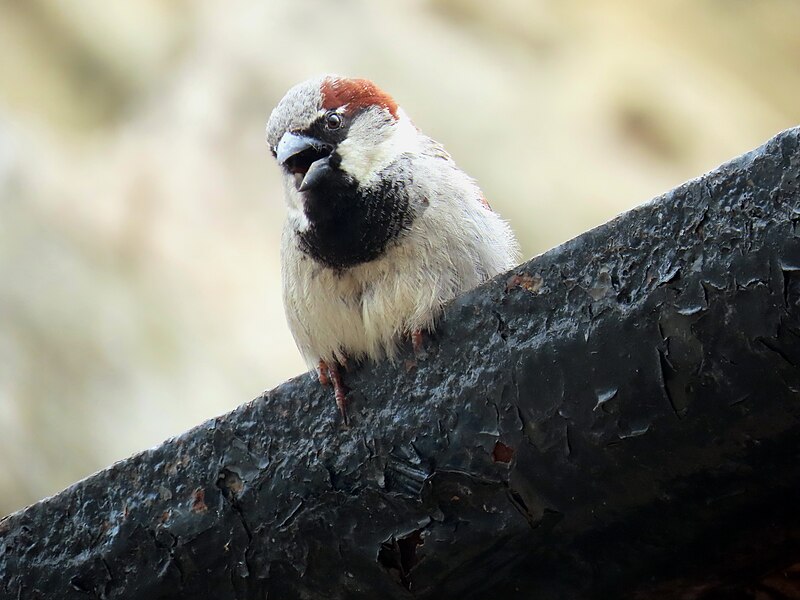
[140, 209]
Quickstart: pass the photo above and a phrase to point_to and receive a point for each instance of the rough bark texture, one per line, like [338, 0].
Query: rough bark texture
[618, 417]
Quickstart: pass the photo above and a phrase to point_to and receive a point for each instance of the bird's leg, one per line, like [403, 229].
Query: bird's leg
[339, 391]
[417, 341]
[322, 373]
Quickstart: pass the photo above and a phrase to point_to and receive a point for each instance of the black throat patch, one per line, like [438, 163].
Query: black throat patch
[350, 226]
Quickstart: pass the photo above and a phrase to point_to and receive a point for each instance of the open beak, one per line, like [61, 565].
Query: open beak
[307, 158]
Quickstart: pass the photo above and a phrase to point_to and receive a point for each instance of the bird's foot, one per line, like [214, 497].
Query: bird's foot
[339, 390]
[322, 373]
[329, 374]
[418, 342]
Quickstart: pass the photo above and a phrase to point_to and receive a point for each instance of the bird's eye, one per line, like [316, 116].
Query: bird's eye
[333, 120]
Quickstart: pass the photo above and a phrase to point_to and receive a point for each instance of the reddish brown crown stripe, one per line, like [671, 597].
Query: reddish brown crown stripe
[356, 94]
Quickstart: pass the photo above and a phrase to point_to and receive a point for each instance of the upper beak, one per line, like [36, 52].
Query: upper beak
[292, 144]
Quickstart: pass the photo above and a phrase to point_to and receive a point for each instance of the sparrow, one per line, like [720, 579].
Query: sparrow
[382, 228]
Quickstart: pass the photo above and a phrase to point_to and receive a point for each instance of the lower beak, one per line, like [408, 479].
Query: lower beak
[318, 171]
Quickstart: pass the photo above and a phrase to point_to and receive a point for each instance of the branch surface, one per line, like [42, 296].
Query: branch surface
[617, 418]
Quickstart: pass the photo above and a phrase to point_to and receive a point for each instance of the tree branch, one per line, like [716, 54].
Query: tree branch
[615, 418]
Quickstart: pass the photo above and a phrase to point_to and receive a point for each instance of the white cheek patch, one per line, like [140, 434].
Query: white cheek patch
[368, 149]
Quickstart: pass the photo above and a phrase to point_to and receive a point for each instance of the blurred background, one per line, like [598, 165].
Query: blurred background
[140, 210]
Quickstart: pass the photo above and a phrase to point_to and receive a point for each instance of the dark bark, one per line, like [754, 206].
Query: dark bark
[616, 418]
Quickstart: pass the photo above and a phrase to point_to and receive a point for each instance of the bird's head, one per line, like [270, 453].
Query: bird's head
[344, 146]
[332, 131]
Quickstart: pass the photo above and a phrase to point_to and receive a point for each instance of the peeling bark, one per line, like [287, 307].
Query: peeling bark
[617, 418]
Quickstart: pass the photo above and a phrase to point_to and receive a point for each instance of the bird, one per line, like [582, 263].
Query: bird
[382, 227]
